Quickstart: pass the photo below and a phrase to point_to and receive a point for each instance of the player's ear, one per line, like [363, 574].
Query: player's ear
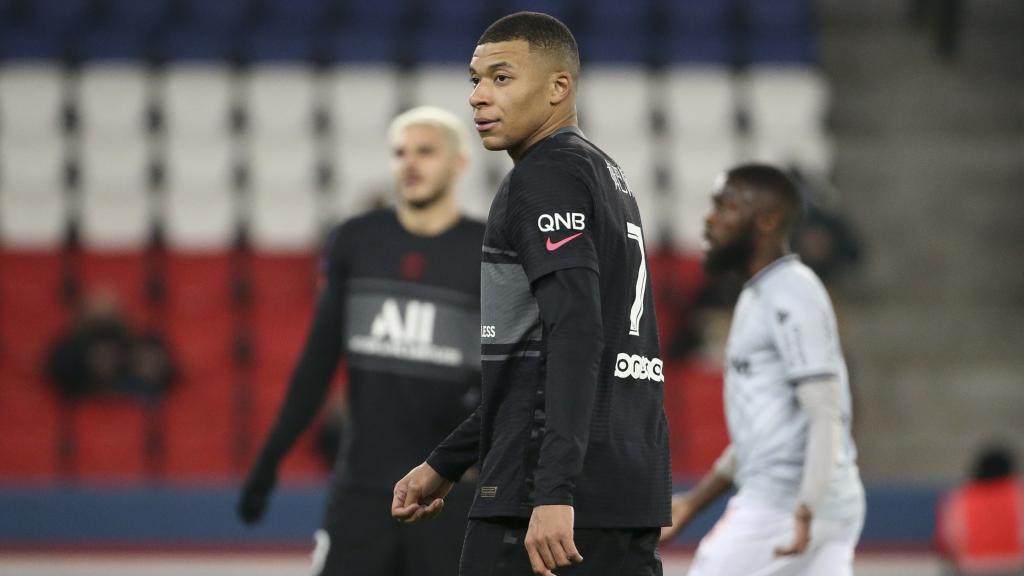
[561, 87]
[768, 221]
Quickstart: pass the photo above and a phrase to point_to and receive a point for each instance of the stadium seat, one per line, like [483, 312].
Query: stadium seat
[28, 428]
[123, 272]
[113, 101]
[113, 43]
[59, 14]
[31, 102]
[110, 439]
[20, 44]
[295, 13]
[115, 200]
[280, 101]
[379, 14]
[362, 100]
[449, 43]
[785, 16]
[283, 282]
[197, 100]
[31, 309]
[138, 14]
[693, 404]
[701, 102]
[362, 176]
[616, 100]
[561, 9]
[283, 199]
[200, 423]
[197, 44]
[220, 14]
[33, 204]
[788, 105]
[361, 44]
[199, 211]
[278, 44]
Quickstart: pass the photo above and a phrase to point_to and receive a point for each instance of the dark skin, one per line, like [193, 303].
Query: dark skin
[742, 213]
[521, 95]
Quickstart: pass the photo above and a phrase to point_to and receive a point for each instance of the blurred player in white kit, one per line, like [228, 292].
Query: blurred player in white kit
[800, 504]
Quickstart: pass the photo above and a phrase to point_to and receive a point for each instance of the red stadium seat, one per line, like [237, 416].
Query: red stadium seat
[28, 429]
[122, 272]
[32, 312]
[693, 404]
[199, 429]
[110, 439]
[283, 281]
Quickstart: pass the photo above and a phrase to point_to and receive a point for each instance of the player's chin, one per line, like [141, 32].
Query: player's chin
[493, 142]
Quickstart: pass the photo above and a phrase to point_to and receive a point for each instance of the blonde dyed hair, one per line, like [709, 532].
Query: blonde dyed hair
[449, 124]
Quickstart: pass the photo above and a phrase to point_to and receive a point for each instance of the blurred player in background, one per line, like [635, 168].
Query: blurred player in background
[800, 506]
[571, 432]
[401, 303]
[979, 528]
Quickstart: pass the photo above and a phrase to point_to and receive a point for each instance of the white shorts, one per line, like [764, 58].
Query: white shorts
[744, 540]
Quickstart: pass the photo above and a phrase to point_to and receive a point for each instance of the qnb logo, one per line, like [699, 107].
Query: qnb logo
[566, 221]
[638, 367]
[405, 336]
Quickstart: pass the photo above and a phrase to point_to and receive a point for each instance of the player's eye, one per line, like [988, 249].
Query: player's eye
[474, 80]
[501, 78]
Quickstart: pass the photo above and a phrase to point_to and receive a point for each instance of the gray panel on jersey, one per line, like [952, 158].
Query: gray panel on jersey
[411, 329]
[507, 304]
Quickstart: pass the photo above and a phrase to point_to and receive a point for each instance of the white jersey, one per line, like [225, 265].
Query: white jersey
[783, 332]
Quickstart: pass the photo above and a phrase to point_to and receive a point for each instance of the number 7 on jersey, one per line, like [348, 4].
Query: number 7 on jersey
[637, 311]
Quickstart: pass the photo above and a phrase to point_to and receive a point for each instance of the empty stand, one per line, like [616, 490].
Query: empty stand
[280, 101]
[197, 101]
[787, 108]
[199, 212]
[32, 98]
[110, 437]
[283, 196]
[113, 100]
[33, 205]
[115, 200]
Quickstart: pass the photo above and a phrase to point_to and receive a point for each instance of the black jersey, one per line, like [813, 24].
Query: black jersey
[567, 205]
[404, 311]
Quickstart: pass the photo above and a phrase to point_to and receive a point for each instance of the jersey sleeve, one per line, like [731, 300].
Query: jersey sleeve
[803, 326]
[550, 223]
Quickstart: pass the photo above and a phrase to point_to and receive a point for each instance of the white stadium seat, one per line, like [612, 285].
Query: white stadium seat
[197, 101]
[697, 166]
[199, 202]
[362, 176]
[615, 100]
[115, 200]
[280, 100]
[362, 100]
[283, 204]
[31, 102]
[113, 99]
[787, 108]
[700, 102]
[33, 205]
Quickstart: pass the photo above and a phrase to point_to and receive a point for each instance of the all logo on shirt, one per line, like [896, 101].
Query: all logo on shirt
[405, 335]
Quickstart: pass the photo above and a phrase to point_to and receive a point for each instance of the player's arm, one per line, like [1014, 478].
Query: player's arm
[307, 388]
[569, 301]
[420, 494]
[718, 481]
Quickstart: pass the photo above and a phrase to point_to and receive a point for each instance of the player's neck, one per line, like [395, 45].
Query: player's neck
[763, 256]
[431, 220]
[553, 124]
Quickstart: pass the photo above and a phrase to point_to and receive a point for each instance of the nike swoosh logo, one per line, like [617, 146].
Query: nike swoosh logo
[552, 246]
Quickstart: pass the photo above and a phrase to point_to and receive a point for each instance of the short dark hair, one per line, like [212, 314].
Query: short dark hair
[540, 31]
[768, 178]
[993, 463]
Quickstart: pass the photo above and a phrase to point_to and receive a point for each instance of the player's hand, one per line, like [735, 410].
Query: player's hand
[549, 539]
[252, 503]
[682, 512]
[420, 494]
[802, 534]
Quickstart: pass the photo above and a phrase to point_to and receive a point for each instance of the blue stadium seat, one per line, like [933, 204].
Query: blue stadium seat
[300, 13]
[452, 45]
[278, 44]
[619, 46]
[710, 17]
[793, 16]
[58, 14]
[561, 9]
[112, 43]
[220, 13]
[779, 49]
[198, 44]
[21, 43]
[372, 13]
[455, 13]
[141, 14]
[362, 45]
[698, 48]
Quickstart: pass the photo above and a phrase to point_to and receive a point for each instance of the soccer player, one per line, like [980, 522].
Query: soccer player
[800, 505]
[401, 303]
[571, 433]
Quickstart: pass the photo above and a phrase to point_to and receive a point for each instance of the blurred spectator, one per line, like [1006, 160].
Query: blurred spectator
[100, 354]
[825, 239]
[980, 525]
[946, 17]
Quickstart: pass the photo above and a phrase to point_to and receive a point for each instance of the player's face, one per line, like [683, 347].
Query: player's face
[509, 98]
[729, 229]
[424, 164]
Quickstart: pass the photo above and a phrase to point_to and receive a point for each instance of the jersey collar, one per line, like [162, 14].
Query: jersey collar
[778, 262]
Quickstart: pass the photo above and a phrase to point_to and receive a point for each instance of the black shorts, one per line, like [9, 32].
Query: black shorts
[494, 547]
[364, 540]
